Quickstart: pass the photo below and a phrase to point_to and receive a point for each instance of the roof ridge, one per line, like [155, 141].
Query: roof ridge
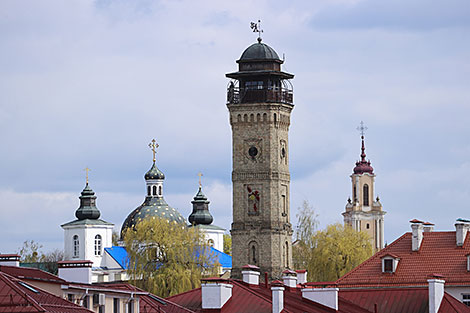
[177, 295]
[373, 257]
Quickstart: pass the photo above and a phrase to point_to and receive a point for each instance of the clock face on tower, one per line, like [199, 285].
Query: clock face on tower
[253, 151]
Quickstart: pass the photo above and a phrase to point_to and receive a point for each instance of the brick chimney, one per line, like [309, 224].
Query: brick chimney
[250, 274]
[277, 290]
[436, 293]
[416, 234]
[215, 293]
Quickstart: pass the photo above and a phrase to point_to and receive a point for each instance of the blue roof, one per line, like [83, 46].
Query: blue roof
[119, 254]
[225, 260]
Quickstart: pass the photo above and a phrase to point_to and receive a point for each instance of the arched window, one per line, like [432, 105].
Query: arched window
[154, 190]
[160, 190]
[275, 118]
[253, 254]
[148, 191]
[210, 242]
[76, 246]
[239, 118]
[287, 254]
[354, 194]
[258, 117]
[365, 195]
[97, 245]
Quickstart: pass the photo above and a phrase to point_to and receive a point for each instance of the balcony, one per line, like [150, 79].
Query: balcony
[236, 95]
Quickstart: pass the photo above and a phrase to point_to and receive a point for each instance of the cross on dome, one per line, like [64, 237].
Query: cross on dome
[153, 145]
[86, 169]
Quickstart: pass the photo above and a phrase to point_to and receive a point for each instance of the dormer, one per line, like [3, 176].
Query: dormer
[389, 263]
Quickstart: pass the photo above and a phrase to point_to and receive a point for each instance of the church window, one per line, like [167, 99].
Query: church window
[245, 117]
[284, 205]
[366, 195]
[160, 190]
[253, 253]
[148, 191]
[265, 117]
[367, 226]
[75, 246]
[354, 194]
[252, 117]
[210, 242]
[97, 245]
[258, 117]
[287, 254]
[154, 189]
[275, 118]
[239, 118]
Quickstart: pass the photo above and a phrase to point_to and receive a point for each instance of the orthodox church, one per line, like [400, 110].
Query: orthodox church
[90, 238]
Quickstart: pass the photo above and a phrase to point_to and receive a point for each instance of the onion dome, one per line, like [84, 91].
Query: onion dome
[259, 51]
[363, 166]
[200, 214]
[154, 173]
[87, 209]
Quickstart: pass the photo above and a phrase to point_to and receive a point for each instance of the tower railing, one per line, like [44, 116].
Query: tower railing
[236, 95]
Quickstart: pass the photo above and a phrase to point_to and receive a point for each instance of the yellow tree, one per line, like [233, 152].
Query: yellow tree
[336, 250]
[167, 258]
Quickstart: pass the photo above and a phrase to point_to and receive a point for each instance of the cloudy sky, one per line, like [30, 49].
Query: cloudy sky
[90, 83]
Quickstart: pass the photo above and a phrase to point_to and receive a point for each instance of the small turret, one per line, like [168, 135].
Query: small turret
[200, 214]
[88, 209]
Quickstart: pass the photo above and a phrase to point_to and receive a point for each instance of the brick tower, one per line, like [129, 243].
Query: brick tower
[260, 101]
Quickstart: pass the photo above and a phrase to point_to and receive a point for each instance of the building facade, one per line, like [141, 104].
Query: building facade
[260, 101]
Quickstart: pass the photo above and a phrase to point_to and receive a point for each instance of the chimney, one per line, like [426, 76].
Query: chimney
[250, 274]
[461, 228]
[428, 227]
[75, 271]
[325, 296]
[277, 290]
[10, 259]
[215, 293]
[301, 276]
[436, 293]
[289, 277]
[417, 234]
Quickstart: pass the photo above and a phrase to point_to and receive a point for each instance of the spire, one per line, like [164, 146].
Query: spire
[363, 166]
[200, 214]
[363, 149]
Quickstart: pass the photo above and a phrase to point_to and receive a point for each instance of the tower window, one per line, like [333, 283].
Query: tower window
[149, 191]
[154, 190]
[76, 246]
[287, 254]
[210, 242]
[354, 194]
[366, 195]
[159, 190]
[367, 226]
[253, 253]
[97, 245]
[284, 205]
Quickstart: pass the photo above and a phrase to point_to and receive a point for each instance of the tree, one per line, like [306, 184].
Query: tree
[29, 253]
[307, 223]
[228, 244]
[336, 251]
[167, 258]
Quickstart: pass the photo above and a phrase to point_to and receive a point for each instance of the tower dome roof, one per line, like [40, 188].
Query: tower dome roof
[154, 173]
[259, 51]
[87, 209]
[363, 166]
[200, 214]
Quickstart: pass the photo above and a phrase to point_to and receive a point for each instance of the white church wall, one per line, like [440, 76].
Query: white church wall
[217, 236]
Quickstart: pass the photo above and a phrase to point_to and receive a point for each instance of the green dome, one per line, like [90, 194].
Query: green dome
[259, 51]
[87, 209]
[200, 214]
[154, 173]
[152, 207]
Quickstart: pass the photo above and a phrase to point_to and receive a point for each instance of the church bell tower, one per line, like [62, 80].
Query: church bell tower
[260, 101]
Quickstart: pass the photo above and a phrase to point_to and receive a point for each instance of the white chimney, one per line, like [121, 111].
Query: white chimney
[289, 277]
[461, 229]
[301, 276]
[325, 296]
[436, 293]
[75, 271]
[278, 296]
[428, 227]
[10, 259]
[215, 293]
[417, 234]
[250, 274]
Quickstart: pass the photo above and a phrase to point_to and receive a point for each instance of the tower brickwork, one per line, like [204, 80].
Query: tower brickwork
[260, 104]
[363, 213]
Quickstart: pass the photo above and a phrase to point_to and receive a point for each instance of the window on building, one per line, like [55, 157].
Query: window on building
[388, 265]
[284, 205]
[159, 190]
[70, 297]
[76, 246]
[367, 226]
[85, 302]
[366, 195]
[354, 194]
[116, 305]
[210, 242]
[101, 309]
[148, 191]
[154, 190]
[254, 85]
[466, 299]
[253, 254]
[130, 306]
[287, 254]
[97, 245]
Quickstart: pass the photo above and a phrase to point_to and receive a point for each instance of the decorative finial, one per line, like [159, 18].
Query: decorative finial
[256, 27]
[153, 146]
[362, 129]
[200, 175]
[87, 170]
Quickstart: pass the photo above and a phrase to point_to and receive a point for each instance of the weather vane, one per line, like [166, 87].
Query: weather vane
[362, 129]
[87, 170]
[153, 146]
[256, 27]
[200, 175]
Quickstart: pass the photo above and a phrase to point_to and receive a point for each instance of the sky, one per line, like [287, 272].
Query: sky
[90, 83]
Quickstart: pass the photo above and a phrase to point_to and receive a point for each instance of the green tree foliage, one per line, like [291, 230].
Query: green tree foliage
[228, 244]
[307, 223]
[167, 258]
[30, 252]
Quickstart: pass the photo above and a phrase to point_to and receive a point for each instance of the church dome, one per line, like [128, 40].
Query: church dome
[87, 209]
[259, 51]
[200, 214]
[363, 166]
[154, 173]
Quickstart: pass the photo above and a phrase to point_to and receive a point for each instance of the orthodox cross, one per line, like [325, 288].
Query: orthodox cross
[153, 146]
[256, 27]
[362, 129]
[87, 170]
[200, 175]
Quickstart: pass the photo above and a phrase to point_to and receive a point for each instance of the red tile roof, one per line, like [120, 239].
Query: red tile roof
[438, 254]
[401, 300]
[251, 298]
[30, 273]
[18, 297]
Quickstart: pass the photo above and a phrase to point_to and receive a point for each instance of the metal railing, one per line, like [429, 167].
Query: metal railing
[236, 95]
